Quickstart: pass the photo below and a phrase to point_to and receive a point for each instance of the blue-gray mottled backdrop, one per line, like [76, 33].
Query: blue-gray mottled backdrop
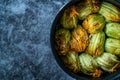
[25, 52]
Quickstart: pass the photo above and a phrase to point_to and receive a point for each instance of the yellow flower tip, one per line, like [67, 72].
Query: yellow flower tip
[96, 52]
[113, 69]
[73, 12]
[97, 73]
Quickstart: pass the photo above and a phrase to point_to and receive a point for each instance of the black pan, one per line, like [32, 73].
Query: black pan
[79, 76]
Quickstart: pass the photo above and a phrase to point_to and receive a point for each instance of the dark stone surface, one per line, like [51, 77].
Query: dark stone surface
[25, 52]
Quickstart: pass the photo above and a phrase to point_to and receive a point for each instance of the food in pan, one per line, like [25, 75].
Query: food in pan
[71, 60]
[94, 23]
[79, 39]
[84, 11]
[112, 46]
[113, 30]
[88, 39]
[62, 38]
[110, 12]
[88, 65]
[69, 18]
[96, 44]
[108, 62]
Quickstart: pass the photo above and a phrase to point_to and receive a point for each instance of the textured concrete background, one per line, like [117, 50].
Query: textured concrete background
[25, 52]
